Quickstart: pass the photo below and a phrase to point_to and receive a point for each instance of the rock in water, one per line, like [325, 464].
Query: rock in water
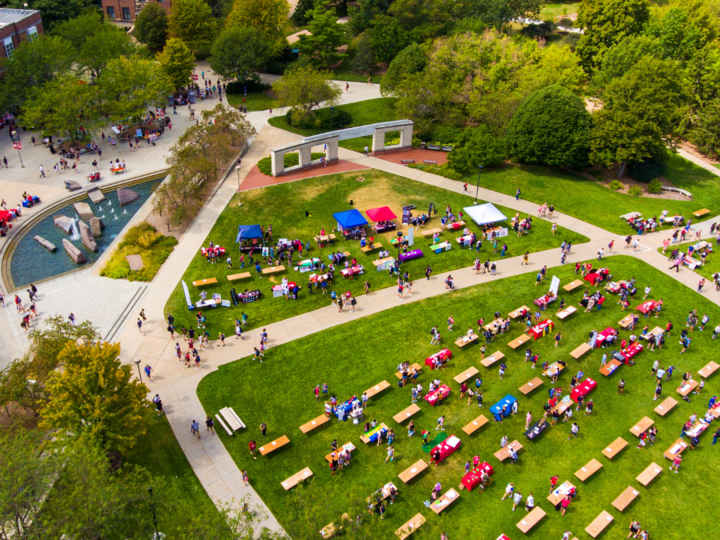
[126, 196]
[96, 196]
[87, 237]
[64, 223]
[75, 254]
[96, 227]
[84, 211]
[45, 243]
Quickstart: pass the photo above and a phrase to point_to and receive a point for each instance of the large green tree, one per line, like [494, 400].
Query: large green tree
[192, 22]
[683, 27]
[497, 13]
[621, 57]
[387, 37]
[477, 146]
[152, 27]
[53, 12]
[326, 35]
[552, 127]
[102, 47]
[78, 29]
[304, 88]
[239, 52]
[177, 62]
[410, 61]
[364, 60]
[268, 16]
[606, 23]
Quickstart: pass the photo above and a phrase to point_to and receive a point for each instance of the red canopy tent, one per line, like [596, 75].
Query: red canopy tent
[382, 213]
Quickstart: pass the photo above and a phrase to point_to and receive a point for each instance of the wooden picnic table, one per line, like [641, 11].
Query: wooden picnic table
[273, 269]
[496, 322]
[384, 493]
[203, 282]
[274, 445]
[649, 474]
[611, 367]
[573, 285]
[331, 530]
[553, 369]
[652, 333]
[531, 385]
[476, 424]
[666, 406]
[627, 321]
[504, 453]
[580, 351]
[465, 340]
[708, 370]
[431, 232]
[414, 367]
[599, 523]
[368, 249]
[312, 424]
[296, 478]
[625, 498]
[467, 374]
[515, 314]
[407, 413]
[531, 519]
[412, 471]
[701, 213]
[235, 277]
[347, 446]
[324, 238]
[377, 389]
[558, 494]
[677, 448]
[642, 426]
[494, 357]
[615, 447]
[517, 342]
[232, 419]
[445, 500]
[588, 470]
[410, 527]
[565, 313]
[687, 387]
[383, 262]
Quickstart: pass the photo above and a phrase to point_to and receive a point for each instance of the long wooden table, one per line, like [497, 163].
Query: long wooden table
[565, 313]
[203, 282]
[466, 375]
[331, 529]
[410, 527]
[414, 367]
[274, 445]
[347, 446]
[312, 424]
[447, 498]
[573, 285]
[476, 424]
[407, 413]
[666, 406]
[685, 389]
[494, 357]
[517, 342]
[677, 448]
[368, 249]
[625, 498]
[599, 523]
[615, 448]
[515, 314]
[273, 269]
[558, 494]
[708, 370]
[626, 321]
[296, 478]
[465, 340]
[504, 453]
[431, 232]
[532, 519]
[241, 275]
[531, 385]
[642, 426]
[611, 367]
[377, 389]
[412, 471]
[649, 474]
[580, 351]
[588, 470]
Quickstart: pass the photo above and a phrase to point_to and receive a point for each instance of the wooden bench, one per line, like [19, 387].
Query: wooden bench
[677, 448]
[580, 351]
[588, 470]
[611, 367]
[431, 232]
[686, 388]
[375, 390]
[235, 277]
[232, 419]
[515, 343]
[273, 269]
[565, 313]
[558, 494]
[412, 471]
[476, 424]
[465, 340]
[296, 478]
[447, 498]
[312, 424]
[494, 357]
[625, 498]
[532, 519]
[415, 367]
[274, 445]
[410, 527]
[429, 162]
[530, 386]
[515, 314]
[626, 322]
[642, 426]
[368, 249]
[407, 413]
[701, 213]
[599, 524]
[331, 530]
[615, 448]
[553, 369]
[708, 370]
[203, 282]
[406, 161]
[649, 474]
[504, 453]
[466, 375]
[666, 406]
[347, 446]
[573, 285]
[227, 429]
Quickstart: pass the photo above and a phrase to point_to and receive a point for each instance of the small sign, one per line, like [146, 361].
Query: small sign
[17, 146]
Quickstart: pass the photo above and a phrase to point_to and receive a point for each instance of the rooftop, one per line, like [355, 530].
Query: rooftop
[10, 16]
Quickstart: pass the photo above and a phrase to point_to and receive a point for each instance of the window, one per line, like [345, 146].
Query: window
[111, 12]
[9, 47]
[32, 33]
[126, 14]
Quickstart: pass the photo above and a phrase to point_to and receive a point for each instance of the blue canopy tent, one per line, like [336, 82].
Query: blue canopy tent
[497, 409]
[349, 219]
[248, 232]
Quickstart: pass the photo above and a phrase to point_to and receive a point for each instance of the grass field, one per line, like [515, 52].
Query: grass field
[353, 358]
[556, 9]
[592, 202]
[284, 207]
[254, 101]
[712, 261]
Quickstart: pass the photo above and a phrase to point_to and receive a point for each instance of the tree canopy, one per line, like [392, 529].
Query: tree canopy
[477, 146]
[268, 16]
[240, 51]
[177, 62]
[152, 27]
[304, 88]
[192, 22]
[326, 35]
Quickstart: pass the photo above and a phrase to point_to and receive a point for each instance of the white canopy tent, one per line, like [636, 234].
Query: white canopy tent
[484, 213]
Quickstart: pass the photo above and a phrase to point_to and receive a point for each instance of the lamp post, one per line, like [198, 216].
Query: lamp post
[137, 363]
[237, 168]
[152, 507]
[16, 140]
[477, 189]
[332, 118]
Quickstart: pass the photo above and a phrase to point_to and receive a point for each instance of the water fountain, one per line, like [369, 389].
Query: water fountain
[125, 211]
[75, 235]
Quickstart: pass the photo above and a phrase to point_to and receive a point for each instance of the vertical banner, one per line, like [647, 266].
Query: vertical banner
[406, 214]
[187, 296]
[555, 285]
[411, 236]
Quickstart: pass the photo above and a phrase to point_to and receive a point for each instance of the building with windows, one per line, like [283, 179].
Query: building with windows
[124, 12]
[17, 25]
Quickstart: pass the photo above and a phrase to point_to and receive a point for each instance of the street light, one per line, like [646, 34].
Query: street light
[477, 189]
[332, 117]
[16, 139]
[237, 168]
[137, 363]
[152, 507]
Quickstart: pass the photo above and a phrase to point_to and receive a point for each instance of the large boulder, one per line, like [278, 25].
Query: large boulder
[72, 185]
[75, 254]
[135, 262]
[126, 196]
[96, 227]
[64, 223]
[84, 211]
[96, 196]
[87, 237]
[45, 243]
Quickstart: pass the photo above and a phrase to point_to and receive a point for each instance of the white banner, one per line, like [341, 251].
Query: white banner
[187, 295]
[411, 236]
[555, 285]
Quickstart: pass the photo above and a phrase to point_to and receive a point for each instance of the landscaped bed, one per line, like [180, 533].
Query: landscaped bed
[354, 357]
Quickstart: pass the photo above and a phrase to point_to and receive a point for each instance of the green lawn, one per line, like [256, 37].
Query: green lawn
[352, 358]
[592, 202]
[254, 101]
[712, 261]
[363, 113]
[556, 9]
[284, 207]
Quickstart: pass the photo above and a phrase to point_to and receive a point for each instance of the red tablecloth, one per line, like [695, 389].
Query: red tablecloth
[631, 351]
[646, 307]
[445, 354]
[541, 328]
[546, 298]
[583, 389]
[447, 447]
[353, 270]
[454, 226]
[472, 479]
[438, 395]
[603, 335]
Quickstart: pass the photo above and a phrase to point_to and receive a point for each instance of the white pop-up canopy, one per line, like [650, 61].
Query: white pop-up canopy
[484, 213]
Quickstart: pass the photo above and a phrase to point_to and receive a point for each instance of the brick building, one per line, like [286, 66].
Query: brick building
[125, 11]
[17, 25]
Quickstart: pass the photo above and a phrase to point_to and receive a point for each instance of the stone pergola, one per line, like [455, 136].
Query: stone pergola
[331, 139]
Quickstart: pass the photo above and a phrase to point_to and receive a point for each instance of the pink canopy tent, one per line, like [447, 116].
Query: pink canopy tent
[382, 213]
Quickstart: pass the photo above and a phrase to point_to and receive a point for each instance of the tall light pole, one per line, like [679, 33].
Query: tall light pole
[477, 189]
[137, 363]
[237, 168]
[152, 507]
[16, 144]
[332, 118]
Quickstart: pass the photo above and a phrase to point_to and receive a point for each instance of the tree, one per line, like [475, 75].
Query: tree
[552, 127]
[477, 146]
[152, 26]
[78, 29]
[387, 37]
[705, 134]
[192, 22]
[640, 114]
[95, 393]
[364, 61]
[19, 391]
[304, 88]
[268, 16]
[325, 37]
[53, 11]
[303, 12]
[621, 57]
[363, 11]
[497, 13]
[102, 47]
[177, 62]
[607, 23]
[239, 52]
[409, 61]
[682, 28]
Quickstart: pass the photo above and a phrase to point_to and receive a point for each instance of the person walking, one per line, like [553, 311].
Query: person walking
[428, 271]
[263, 429]
[195, 429]
[42, 172]
[574, 430]
[148, 372]
[210, 425]
[517, 194]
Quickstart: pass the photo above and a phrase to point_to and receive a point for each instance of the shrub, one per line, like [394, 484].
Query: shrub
[440, 170]
[446, 135]
[635, 191]
[252, 85]
[143, 240]
[654, 186]
[477, 146]
[644, 171]
[290, 160]
[616, 184]
[320, 119]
